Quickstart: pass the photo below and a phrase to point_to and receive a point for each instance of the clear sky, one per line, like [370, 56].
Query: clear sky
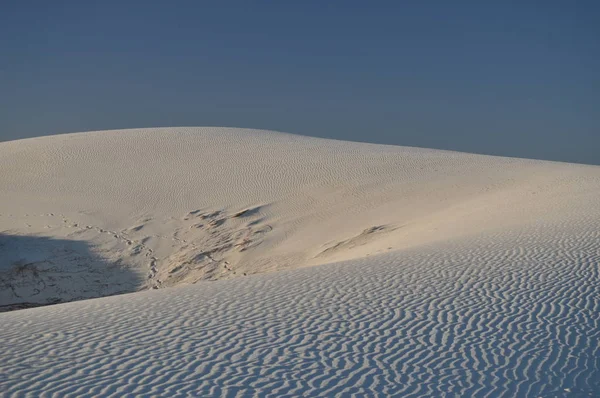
[508, 78]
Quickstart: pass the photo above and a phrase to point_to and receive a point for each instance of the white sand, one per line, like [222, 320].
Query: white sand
[465, 274]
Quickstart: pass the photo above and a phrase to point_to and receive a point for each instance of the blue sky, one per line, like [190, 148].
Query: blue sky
[510, 78]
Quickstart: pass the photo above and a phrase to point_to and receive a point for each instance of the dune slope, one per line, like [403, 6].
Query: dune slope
[499, 315]
[439, 273]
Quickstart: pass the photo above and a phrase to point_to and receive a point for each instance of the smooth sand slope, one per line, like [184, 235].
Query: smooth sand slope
[462, 274]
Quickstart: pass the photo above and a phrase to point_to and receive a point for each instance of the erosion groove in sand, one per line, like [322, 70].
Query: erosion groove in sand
[497, 315]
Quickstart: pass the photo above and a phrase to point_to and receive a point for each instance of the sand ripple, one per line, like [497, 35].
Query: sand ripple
[497, 315]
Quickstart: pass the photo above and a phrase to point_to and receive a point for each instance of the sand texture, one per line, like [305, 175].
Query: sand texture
[400, 271]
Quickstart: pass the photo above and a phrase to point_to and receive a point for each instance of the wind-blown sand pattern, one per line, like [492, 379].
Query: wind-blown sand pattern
[433, 273]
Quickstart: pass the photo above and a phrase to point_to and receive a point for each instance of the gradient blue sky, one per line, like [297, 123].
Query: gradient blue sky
[511, 78]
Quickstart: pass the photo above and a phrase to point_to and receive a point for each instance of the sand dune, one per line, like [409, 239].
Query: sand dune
[438, 272]
[173, 206]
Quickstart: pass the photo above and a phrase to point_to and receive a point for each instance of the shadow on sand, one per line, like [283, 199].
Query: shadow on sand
[37, 271]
